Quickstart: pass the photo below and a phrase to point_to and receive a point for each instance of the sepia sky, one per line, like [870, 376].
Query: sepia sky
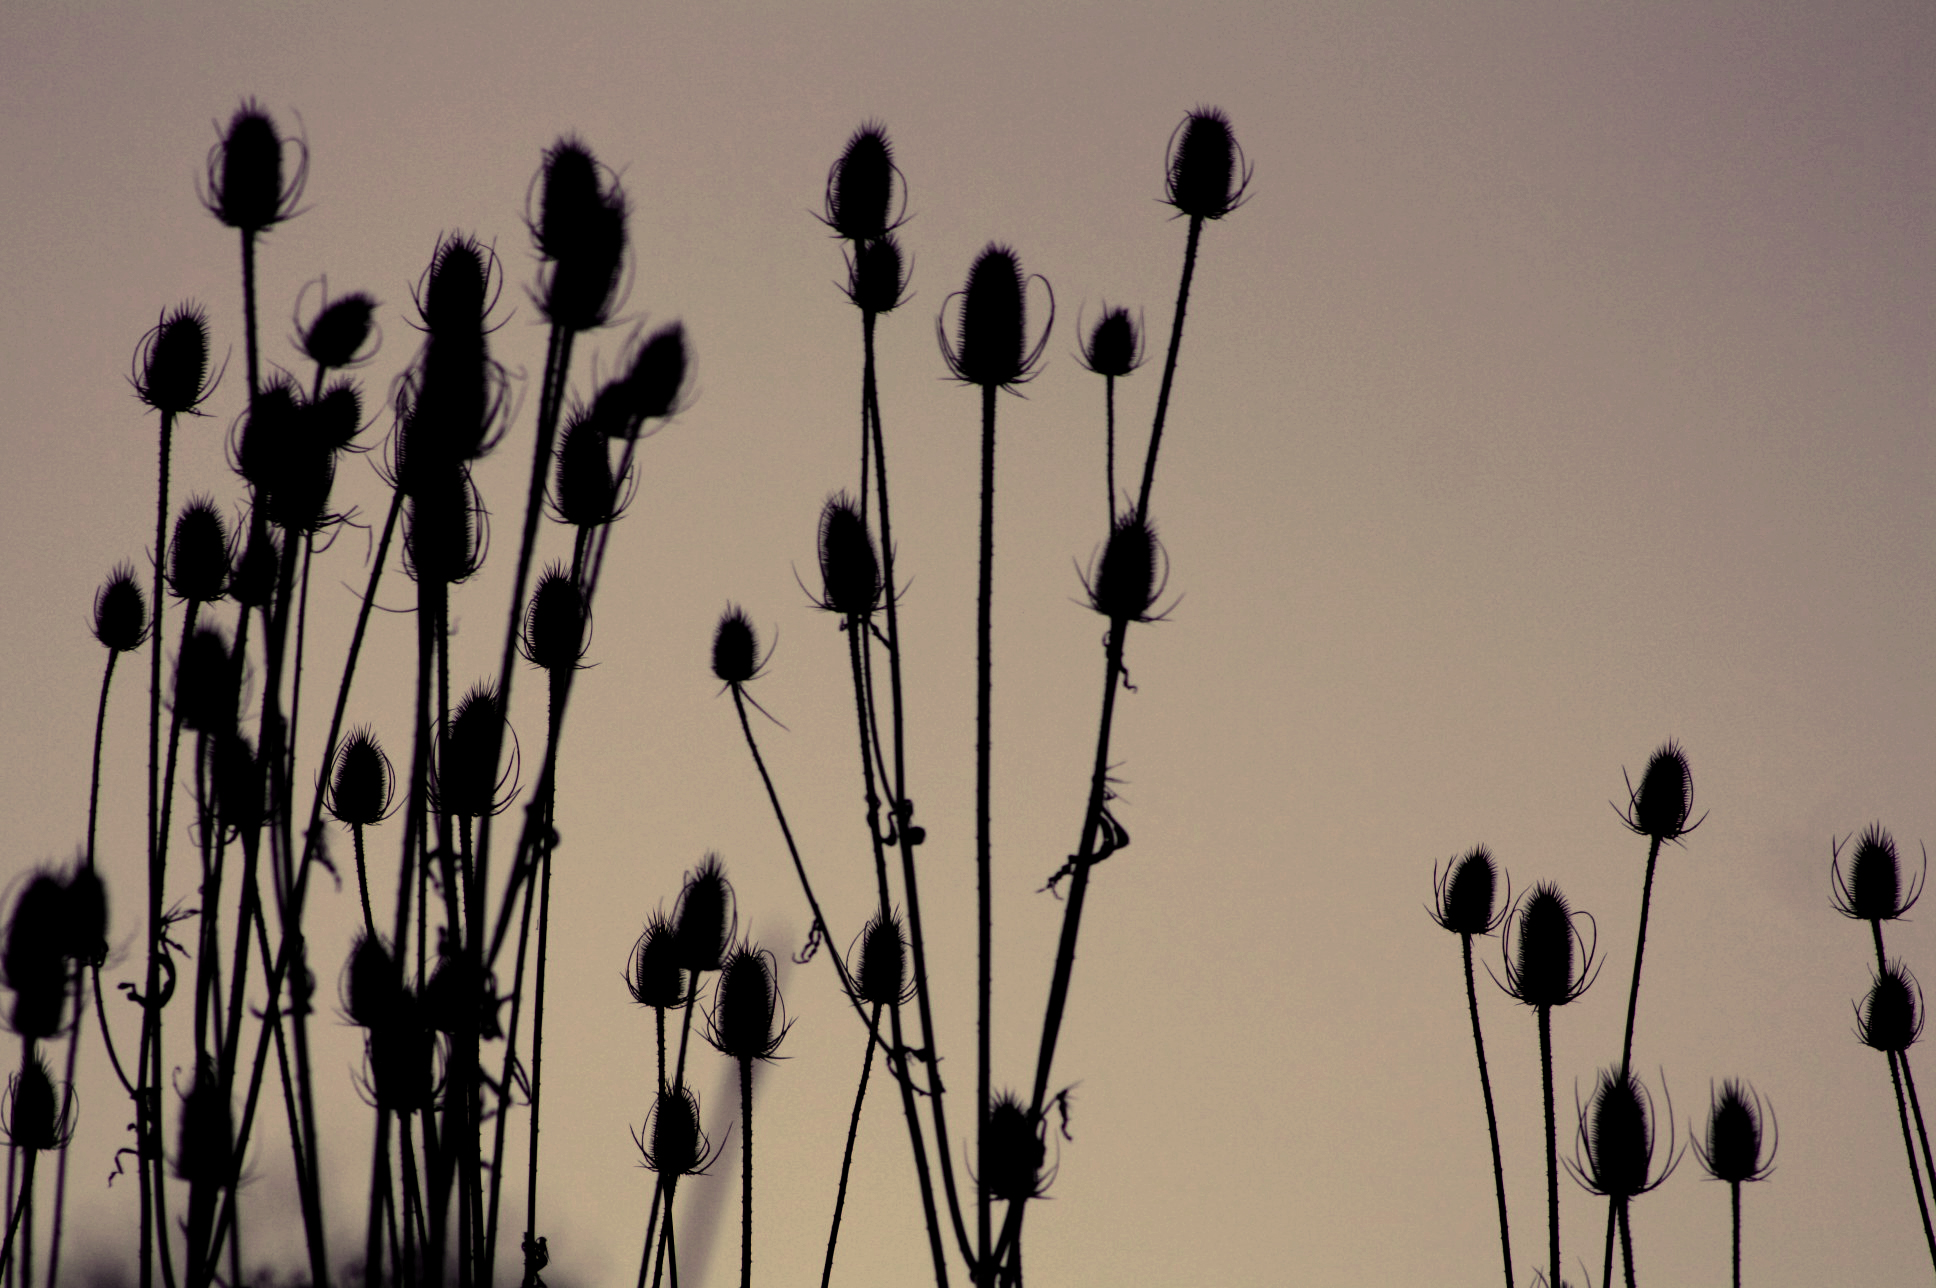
[1565, 386]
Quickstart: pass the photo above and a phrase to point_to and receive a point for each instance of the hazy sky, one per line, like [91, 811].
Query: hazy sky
[1565, 386]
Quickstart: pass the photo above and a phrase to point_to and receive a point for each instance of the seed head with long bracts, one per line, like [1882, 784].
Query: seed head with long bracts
[1614, 1150]
[1891, 1018]
[171, 364]
[990, 347]
[861, 188]
[1873, 889]
[245, 188]
[339, 335]
[1130, 574]
[1542, 968]
[748, 1021]
[1661, 805]
[1463, 897]
[1208, 175]
[1742, 1136]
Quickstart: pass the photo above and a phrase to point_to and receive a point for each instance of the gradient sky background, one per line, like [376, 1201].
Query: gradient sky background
[1565, 386]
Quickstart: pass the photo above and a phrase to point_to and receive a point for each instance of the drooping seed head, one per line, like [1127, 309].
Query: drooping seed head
[38, 1117]
[1873, 888]
[206, 1155]
[198, 557]
[1124, 583]
[881, 977]
[121, 612]
[1115, 346]
[208, 683]
[1660, 806]
[34, 959]
[1891, 1018]
[850, 571]
[655, 977]
[860, 186]
[736, 647]
[1206, 178]
[362, 784]
[745, 1006]
[555, 624]
[373, 984]
[1466, 893]
[1013, 1151]
[990, 348]
[468, 781]
[171, 365]
[876, 275]
[245, 183]
[651, 389]
[677, 1147]
[704, 919]
[340, 331]
[1541, 966]
[1732, 1151]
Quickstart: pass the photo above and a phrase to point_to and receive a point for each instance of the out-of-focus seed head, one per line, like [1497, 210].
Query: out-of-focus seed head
[446, 536]
[652, 388]
[171, 365]
[38, 1117]
[1873, 887]
[736, 647]
[468, 782]
[198, 557]
[35, 957]
[372, 984]
[206, 1155]
[1542, 967]
[208, 683]
[704, 919]
[1124, 583]
[1013, 1151]
[1207, 176]
[457, 290]
[245, 183]
[991, 347]
[881, 976]
[572, 192]
[876, 275]
[253, 583]
[339, 332]
[745, 1006]
[1466, 892]
[1660, 806]
[402, 1055]
[555, 624]
[673, 1145]
[860, 186]
[458, 1001]
[580, 231]
[1732, 1151]
[363, 783]
[84, 924]
[1891, 1017]
[655, 977]
[585, 494]
[850, 571]
[121, 612]
[1115, 346]
[335, 418]
[269, 432]
[240, 784]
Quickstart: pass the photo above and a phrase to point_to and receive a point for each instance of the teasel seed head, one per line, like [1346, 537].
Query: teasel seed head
[38, 1116]
[337, 417]
[253, 583]
[447, 534]
[1542, 966]
[206, 1155]
[84, 920]
[1737, 1127]
[121, 612]
[704, 919]
[336, 336]
[198, 557]
[456, 292]
[672, 1144]
[460, 1000]
[746, 1007]
[372, 984]
[1013, 1151]
[736, 648]
[860, 187]
[34, 958]
[991, 347]
[850, 571]
[208, 683]
[1130, 574]
[876, 275]
[468, 782]
[1464, 896]
[241, 787]
[402, 1055]
[245, 183]
[1660, 806]
[656, 978]
[580, 232]
[362, 783]
[881, 974]
[171, 364]
[1115, 346]
[557, 623]
[1207, 174]
[651, 389]
[584, 492]
[1873, 888]
[1617, 1137]
[1891, 1017]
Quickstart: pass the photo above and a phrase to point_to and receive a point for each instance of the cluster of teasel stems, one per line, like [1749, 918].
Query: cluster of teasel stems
[424, 983]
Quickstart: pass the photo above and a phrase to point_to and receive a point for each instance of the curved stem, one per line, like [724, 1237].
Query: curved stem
[1492, 1120]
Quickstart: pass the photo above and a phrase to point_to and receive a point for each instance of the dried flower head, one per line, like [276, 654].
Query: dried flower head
[881, 975]
[1732, 1151]
[468, 782]
[876, 275]
[241, 786]
[34, 959]
[1013, 1149]
[656, 978]
[245, 187]
[362, 782]
[457, 291]
[584, 493]
[580, 233]
[557, 623]
[676, 1145]
[336, 417]
[84, 916]
[206, 1155]
[171, 364]
[1128, 577]
[1891, 1017]
[736, 647]
[1207, 172]
[335, 337]
[746, 1007]
[39, 1117]
[1613, 1154]
[860, 187]
[1661, 805]
[460, 998]
[1463, 897]
[1115, 345]
[1873, 887]
[198, 557]
[208, 683]
[1542, 966]
[402, 1056]
[121, 612]
[448, 534]
[850, 571]
[704, 919]
[372, 983]
[652, 387]
[253, 583]
[991, 347]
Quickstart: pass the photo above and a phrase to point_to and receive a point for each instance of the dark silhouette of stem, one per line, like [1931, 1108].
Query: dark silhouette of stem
[1492, 1120]
[1736, 1187]
[984, 908]
[1640, 949]
[847, 1156]
[1902, 1112]
[363, 879]
[1169, 362]
[1552, 1146]
[19, 1207]
[746, 1173]
[142, 1096]
[1109, 466]
[1626, 1241]
[1916, 1109]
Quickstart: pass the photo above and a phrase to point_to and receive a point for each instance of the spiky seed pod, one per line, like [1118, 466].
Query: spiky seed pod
[736, 647]
[446, 536]
[1012, 1151]
[468, 781]
[581, 232]
[240, 785]
[882, 974]
[1115, 346]
[208, 683]
[1206, 177]
[457, 1000]
[876, 276]
[652, 388]
[678, 1147]
[253, 583]
[1660, 806]
[245, 184]
[555, 625]
[860, 186]
[1732, 1151]
[1873, 888]
[1891, 1018]
[402, 1054]
[339, 331]
[269, 431]
[206, 1153]
[850, 571]
[585, 494]
[1541, 969]
[1466, 893]
[704, 918]
[363, 783]
[34, 958]
[1124, 583]
[121, 612]
[991, 341]
[198, 557]
[171, 365]
[745, 1006]
[372, 984]
[335, 418]
[655, 978]
[84, 921]
[1618, 1137]
[457, 289]
[38, 1117]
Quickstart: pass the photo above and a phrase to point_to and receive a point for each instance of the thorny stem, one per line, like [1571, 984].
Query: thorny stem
[746, 1173]
[1633, 1005]
[856, 627]
[1902, 1113]
[1552, 1146]
[1492, 1119]
[847, 1156]
[1626, 1241]
[1736, 1187]
[984, 910]
[1109, 467]
[1169, 363]
[20, 1206]
[142, 1149]
[1916, 1108]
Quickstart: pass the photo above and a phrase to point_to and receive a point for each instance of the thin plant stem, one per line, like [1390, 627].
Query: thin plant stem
[20, 1206]
[1626, 1241]
[1169, 362]
[1902, 1112]
[847, 1156]
[1552, 1146]
[1640, 949]
[144, 1093]
[1916, 1110]
[746, 1173]
[984, 907]
[1492, 1119]
[1736, 1187]
[856, 626]
[1109, 466]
